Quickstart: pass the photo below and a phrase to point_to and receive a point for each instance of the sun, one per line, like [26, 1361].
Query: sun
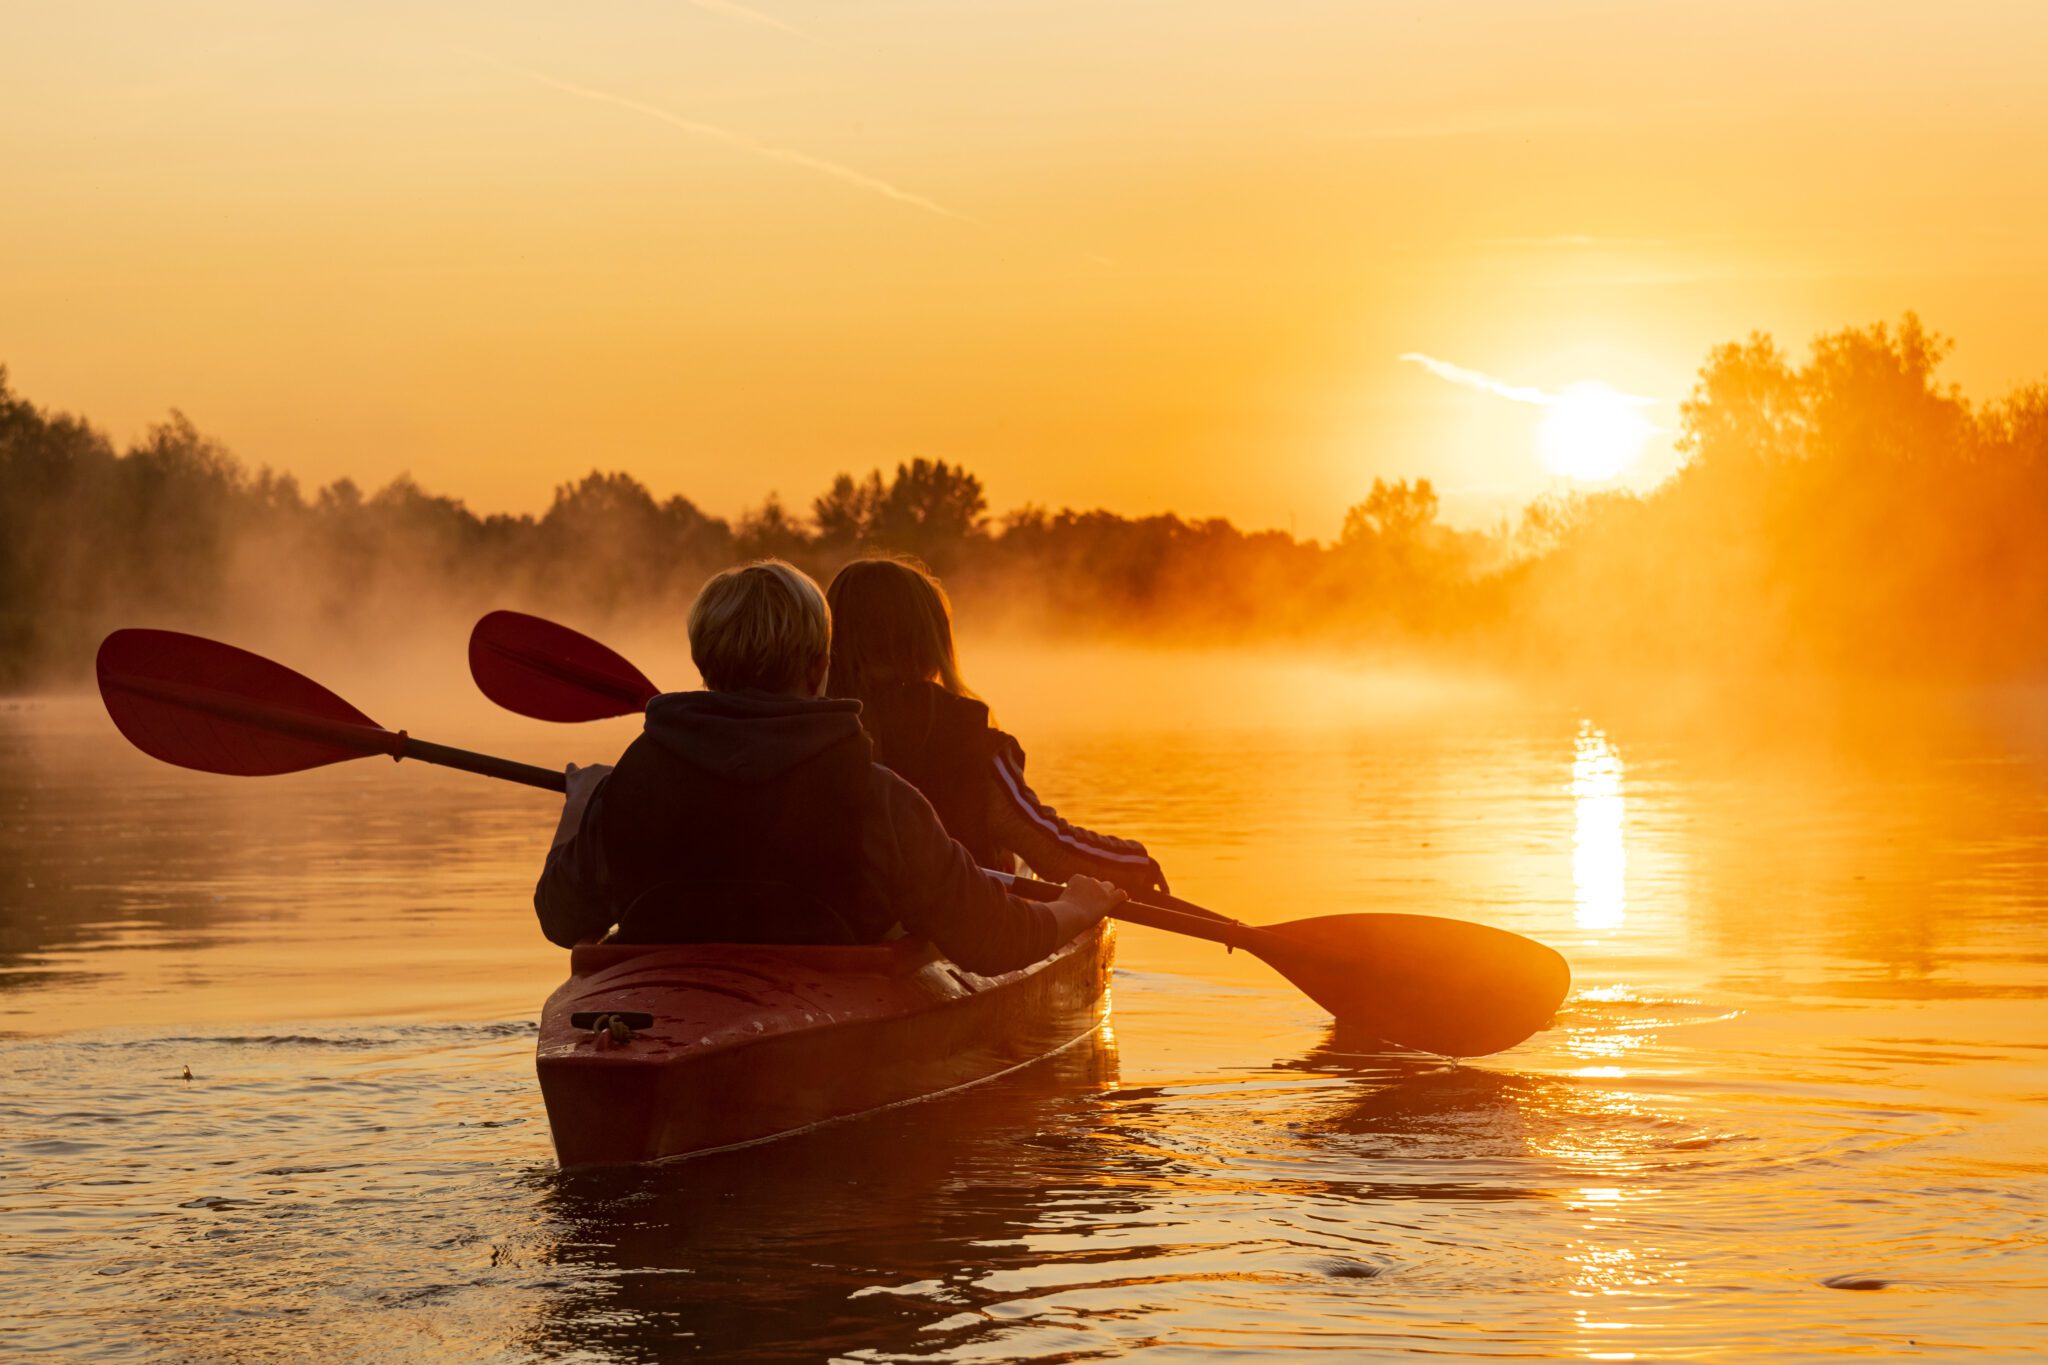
[1591, 432]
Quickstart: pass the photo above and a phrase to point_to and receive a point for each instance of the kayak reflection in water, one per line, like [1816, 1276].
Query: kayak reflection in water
[754, 812]
[892, 651]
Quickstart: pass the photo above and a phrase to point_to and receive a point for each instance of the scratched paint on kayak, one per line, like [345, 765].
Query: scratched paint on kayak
[1803, 1058]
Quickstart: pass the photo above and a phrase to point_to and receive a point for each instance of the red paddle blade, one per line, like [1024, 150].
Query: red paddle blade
[202, 704]
[550, 672]
[1438, 985]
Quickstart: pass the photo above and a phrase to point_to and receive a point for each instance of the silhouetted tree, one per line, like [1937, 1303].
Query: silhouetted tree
[845, 513]
[770, 531]
[931, 509]
[1398, 514]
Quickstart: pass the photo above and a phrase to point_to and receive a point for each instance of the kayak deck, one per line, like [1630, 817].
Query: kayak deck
[738, 1043]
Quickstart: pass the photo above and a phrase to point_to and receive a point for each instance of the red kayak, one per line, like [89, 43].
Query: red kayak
[658, 1050]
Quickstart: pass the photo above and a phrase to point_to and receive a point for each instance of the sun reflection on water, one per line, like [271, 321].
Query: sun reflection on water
[1599, 858]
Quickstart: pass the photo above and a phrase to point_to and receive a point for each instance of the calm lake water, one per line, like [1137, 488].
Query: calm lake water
[1796, 1105]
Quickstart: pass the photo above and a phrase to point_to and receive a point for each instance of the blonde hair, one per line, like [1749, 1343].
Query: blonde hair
[894, 625]
[761, 626]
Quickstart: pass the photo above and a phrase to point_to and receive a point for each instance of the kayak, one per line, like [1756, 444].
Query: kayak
[668, 1050]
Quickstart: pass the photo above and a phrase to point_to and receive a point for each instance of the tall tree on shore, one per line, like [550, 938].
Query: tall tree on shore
[931, 509]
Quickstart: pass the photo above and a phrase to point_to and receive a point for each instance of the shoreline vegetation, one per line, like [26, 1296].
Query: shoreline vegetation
[1849, 513]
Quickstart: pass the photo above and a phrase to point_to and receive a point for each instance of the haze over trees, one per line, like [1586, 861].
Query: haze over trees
[1848, 512]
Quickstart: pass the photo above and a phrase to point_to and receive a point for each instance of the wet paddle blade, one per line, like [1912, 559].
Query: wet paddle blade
[1437, 985]
[549, 672]
[202, 704]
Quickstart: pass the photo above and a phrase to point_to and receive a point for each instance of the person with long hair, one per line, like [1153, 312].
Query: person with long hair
[892, 650]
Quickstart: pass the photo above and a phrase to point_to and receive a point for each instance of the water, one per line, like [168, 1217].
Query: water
[1792, 1108]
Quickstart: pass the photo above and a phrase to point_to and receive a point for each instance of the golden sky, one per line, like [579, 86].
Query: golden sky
[1150, 256]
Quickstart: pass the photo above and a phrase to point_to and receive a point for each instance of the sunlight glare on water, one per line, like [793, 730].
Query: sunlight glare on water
[1791, 1107]
[1599, 850]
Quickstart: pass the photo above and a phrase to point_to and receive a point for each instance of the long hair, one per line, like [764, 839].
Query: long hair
[891, 624]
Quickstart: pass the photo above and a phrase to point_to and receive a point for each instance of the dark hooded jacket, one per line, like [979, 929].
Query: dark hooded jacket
[751, 817]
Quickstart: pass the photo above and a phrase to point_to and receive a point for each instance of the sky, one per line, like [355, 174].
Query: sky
[1147, 256]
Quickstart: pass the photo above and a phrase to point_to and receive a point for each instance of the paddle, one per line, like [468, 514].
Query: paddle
[549, 672]
[201, 704]
[1439, 985]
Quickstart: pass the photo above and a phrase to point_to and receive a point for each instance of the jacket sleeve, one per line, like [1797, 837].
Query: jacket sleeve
[939, 894]
[1056, 848]
[573, 898]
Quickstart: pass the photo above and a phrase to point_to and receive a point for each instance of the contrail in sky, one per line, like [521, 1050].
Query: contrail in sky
[1473, 379]
[714, 133]
[752, 16]
[1500, 388]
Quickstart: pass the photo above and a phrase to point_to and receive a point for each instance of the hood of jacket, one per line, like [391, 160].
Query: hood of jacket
[750, 736]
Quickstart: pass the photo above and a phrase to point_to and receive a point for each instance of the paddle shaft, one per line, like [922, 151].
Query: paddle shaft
[1175, 917]
[489, 765]
[396, 744]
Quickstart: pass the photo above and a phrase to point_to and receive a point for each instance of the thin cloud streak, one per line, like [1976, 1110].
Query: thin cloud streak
[712, 132]
[752, 16]
[1473, 379]
[1500, 388]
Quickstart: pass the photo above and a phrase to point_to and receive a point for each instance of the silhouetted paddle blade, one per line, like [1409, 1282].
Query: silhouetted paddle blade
[1446, 986]
[201, 704]
[549, 672]
[1440, 985]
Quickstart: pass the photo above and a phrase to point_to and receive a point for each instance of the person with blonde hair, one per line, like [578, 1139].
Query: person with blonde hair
[892, 651]
[753, 812]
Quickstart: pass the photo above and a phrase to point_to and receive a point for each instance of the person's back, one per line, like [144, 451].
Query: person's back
[892, 650]
[745, 808]
[754, 812]
[942, 744]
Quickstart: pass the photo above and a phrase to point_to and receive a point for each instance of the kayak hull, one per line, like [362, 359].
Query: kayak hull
[739, 1043]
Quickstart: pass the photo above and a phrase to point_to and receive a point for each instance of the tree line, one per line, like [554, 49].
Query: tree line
[1847, 512]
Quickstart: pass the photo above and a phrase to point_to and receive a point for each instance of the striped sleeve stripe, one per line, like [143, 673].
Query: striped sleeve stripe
[1021, 797]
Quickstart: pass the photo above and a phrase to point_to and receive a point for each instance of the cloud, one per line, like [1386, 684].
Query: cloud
[1473, 379]
[752, 16]
[1500, 388]
[712, 132]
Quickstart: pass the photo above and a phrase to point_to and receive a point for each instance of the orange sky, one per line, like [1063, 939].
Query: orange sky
[1148, 256]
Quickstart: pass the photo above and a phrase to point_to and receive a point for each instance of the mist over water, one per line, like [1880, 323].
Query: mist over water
[1844, 517]
[1791, 1107]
